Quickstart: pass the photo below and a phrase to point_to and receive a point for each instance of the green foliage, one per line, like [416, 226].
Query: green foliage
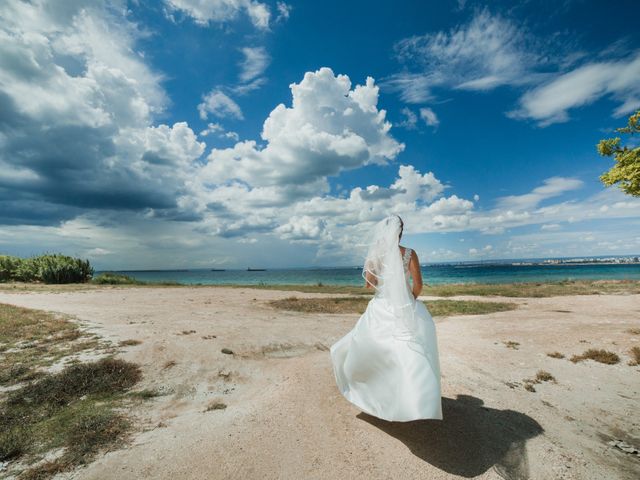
[8, 267]
[48, 268]
[626, 171]
[110, 278]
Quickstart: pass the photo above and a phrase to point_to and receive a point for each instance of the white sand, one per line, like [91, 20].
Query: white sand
[286, 418]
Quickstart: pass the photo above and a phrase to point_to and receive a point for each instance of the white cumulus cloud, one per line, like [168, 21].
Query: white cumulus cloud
[79, 106]
[329, 127]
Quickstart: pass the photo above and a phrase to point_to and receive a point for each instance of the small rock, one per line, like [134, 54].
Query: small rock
[624, 446]
[227, 351]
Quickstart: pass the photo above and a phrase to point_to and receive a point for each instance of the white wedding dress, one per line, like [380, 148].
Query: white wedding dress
[382, 372]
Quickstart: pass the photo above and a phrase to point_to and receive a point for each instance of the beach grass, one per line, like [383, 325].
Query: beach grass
[438, 308]
[536, 289]
[76, 410]
[54, 420]
[31, 340]
[515, 289]
[110, 278]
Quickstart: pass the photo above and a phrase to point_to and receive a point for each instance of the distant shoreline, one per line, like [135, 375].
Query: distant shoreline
[424, 265]
[571, 264]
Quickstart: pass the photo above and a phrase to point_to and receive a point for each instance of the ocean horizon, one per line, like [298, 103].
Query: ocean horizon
[439, 273]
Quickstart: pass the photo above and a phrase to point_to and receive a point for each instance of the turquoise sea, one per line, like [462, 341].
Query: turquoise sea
[432, 274]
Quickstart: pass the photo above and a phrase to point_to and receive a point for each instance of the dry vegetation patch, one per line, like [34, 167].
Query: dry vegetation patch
[518, 289]
[536, 290]
[555, 355]
[77, 410]
[544, 376]
[438, 308]
[635, 356]
[32, 340]
[511, 344]
[216, 405]
[598, 355]
[52, 422]
[322, 305]
[541, 376]
[317, 288]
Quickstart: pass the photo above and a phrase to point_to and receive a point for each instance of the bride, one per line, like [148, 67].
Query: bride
[388, 364]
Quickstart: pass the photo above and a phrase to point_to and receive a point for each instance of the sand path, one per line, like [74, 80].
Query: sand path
[286, 419]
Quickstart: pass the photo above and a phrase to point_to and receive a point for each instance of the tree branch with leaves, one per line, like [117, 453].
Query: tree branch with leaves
[626, 171]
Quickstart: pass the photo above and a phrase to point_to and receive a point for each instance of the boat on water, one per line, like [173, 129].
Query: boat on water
[256, 269]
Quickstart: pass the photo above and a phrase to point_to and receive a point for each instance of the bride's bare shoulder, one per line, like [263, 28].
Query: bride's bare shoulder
[414, 255]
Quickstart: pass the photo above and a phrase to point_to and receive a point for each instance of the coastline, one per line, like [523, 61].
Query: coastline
[434, 274]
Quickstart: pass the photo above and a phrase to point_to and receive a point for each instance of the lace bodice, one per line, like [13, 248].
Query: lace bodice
[406, 258]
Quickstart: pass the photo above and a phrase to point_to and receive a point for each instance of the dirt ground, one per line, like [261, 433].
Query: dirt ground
[286, 419]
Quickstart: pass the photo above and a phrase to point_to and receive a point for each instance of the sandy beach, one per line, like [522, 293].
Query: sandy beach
[286, 419]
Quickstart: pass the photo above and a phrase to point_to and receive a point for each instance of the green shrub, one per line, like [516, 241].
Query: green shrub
[26, 270]
[62, 269]
[48, 268]
[8, 267]
[110, 278]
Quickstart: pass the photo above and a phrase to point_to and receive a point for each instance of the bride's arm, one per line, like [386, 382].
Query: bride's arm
[370, 280]
[416, 274]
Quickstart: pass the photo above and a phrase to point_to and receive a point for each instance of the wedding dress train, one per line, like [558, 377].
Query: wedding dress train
[386, 372]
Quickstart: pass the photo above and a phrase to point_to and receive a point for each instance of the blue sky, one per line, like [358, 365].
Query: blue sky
[197, 133]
